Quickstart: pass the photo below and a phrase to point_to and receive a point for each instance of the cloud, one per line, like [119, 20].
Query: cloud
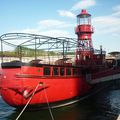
[107, 24]
[56, 33]
[29, 30]
[107, 30]
[116, 10]
[51, 33]
[52, 23]
[49, 27]
[66, 13]
[83, 4]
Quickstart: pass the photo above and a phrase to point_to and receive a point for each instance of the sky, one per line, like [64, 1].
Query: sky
[57, 18]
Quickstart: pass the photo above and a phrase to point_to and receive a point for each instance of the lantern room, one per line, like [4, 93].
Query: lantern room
[84, 18]
[84, 28]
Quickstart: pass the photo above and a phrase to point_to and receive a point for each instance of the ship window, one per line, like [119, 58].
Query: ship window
[75, 71]
[46, 70]
[79, 71]
[55, 71]
[62, 71]
[68, 71]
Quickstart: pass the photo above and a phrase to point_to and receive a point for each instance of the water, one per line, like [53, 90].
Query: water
[103, 106]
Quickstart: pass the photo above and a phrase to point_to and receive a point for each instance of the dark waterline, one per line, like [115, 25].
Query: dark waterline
[103, 106]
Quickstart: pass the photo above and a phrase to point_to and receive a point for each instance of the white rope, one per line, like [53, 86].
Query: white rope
[118, 117]
[48, 105]
[27, 102]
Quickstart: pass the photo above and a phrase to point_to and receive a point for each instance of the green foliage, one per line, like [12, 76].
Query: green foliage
[26, 52]
[8, 54]
[70, 53]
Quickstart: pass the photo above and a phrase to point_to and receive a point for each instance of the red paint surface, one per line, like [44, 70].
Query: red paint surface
[56, 88]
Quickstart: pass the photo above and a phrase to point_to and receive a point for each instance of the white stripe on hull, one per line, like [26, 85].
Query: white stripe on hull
[104, 79]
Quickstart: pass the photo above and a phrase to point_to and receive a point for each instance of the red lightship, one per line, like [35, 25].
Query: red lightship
[55, 81]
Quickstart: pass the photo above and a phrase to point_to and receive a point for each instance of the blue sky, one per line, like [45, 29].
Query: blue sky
[58, 18]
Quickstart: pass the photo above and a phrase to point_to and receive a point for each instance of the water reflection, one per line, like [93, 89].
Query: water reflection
[108, 104]
[74, 112]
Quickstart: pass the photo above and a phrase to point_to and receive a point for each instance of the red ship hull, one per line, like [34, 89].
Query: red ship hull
[57, 69]
[18, 85]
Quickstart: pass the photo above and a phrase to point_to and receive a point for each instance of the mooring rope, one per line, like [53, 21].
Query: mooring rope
[118, 118]
[51, 114]
[28, 101]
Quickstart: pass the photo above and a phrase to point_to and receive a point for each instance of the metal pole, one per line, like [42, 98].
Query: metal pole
[35, 50]
[1, 51]
[63, 50]
[20, 52]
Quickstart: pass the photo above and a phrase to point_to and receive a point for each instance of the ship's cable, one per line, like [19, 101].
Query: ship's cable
[118, 117]
[28, 101]
[51, 114]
